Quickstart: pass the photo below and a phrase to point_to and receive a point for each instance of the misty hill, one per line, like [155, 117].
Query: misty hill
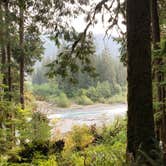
[100, 43]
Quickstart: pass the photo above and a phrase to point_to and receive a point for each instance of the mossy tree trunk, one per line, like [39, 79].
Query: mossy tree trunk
[159, 75]
[140, 112]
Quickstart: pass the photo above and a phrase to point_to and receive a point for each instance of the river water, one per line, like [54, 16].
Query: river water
[96, 114]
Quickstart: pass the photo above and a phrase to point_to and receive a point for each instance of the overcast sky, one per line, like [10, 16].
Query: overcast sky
[99, 28]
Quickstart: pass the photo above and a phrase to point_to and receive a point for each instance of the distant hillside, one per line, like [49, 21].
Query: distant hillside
[100, 43]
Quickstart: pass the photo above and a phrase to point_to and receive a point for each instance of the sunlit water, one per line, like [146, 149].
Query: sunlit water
[98, 115]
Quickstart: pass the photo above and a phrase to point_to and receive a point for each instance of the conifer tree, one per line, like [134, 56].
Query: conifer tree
[140, 129]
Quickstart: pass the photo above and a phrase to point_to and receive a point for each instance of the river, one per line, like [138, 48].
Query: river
[98, 114]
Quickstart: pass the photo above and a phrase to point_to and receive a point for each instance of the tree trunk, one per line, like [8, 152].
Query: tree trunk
[9, 71]
[155, 24]
[2, 44]
[8, 48]
[159, 75]
[11, 115]
[3, 62]
[21, 36]
[140, 113]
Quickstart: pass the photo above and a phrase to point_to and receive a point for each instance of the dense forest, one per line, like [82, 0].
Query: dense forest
[77, 74]
[109, 84]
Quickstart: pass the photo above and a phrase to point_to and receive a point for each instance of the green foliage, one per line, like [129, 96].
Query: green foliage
[104, 93]
[46, 90]
[83, 146]
[119, 98]
[158, 117]
[84, 100]
[23, 133]
[103, 155]
[108, 69]
[81, 50]
[78, 139]
[102, 90]
[30, 100]
[6, 122]
[92, 94]
[63, 100]
[3, 160]
[40, 131]
[103, 147]
[152, 156]
[109, 82]
[116, 89]
[51, 161]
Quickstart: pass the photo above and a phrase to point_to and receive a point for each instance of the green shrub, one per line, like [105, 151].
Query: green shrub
[120, 98]
[116, 89]
[102, 100]
[78, 148]
[40, 130]
[63, 101]
[77, 159]
[18, 164]
[51, 161]
[105, 155]
[30, 100]
[46, 90]
[103, 89]
[3, 160]
[92, 94]
[124, 88]
[81, 92]
[109, 151]
[84, 100]
[78, 138]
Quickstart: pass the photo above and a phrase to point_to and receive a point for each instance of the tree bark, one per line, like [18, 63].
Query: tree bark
[155, 24]
[140, 113]
[8, 48]
[159, 75]
[3, 62]
[11, 115]
[2, 42]
[21, 36]
[9, 71]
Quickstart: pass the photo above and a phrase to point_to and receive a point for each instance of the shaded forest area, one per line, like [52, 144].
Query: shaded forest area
[25, 134]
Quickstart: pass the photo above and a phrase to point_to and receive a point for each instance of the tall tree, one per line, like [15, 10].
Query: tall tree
[159, 75]
[155, 23]
[21, 38]
[140, 129]
[8, 48]
[2, 42]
